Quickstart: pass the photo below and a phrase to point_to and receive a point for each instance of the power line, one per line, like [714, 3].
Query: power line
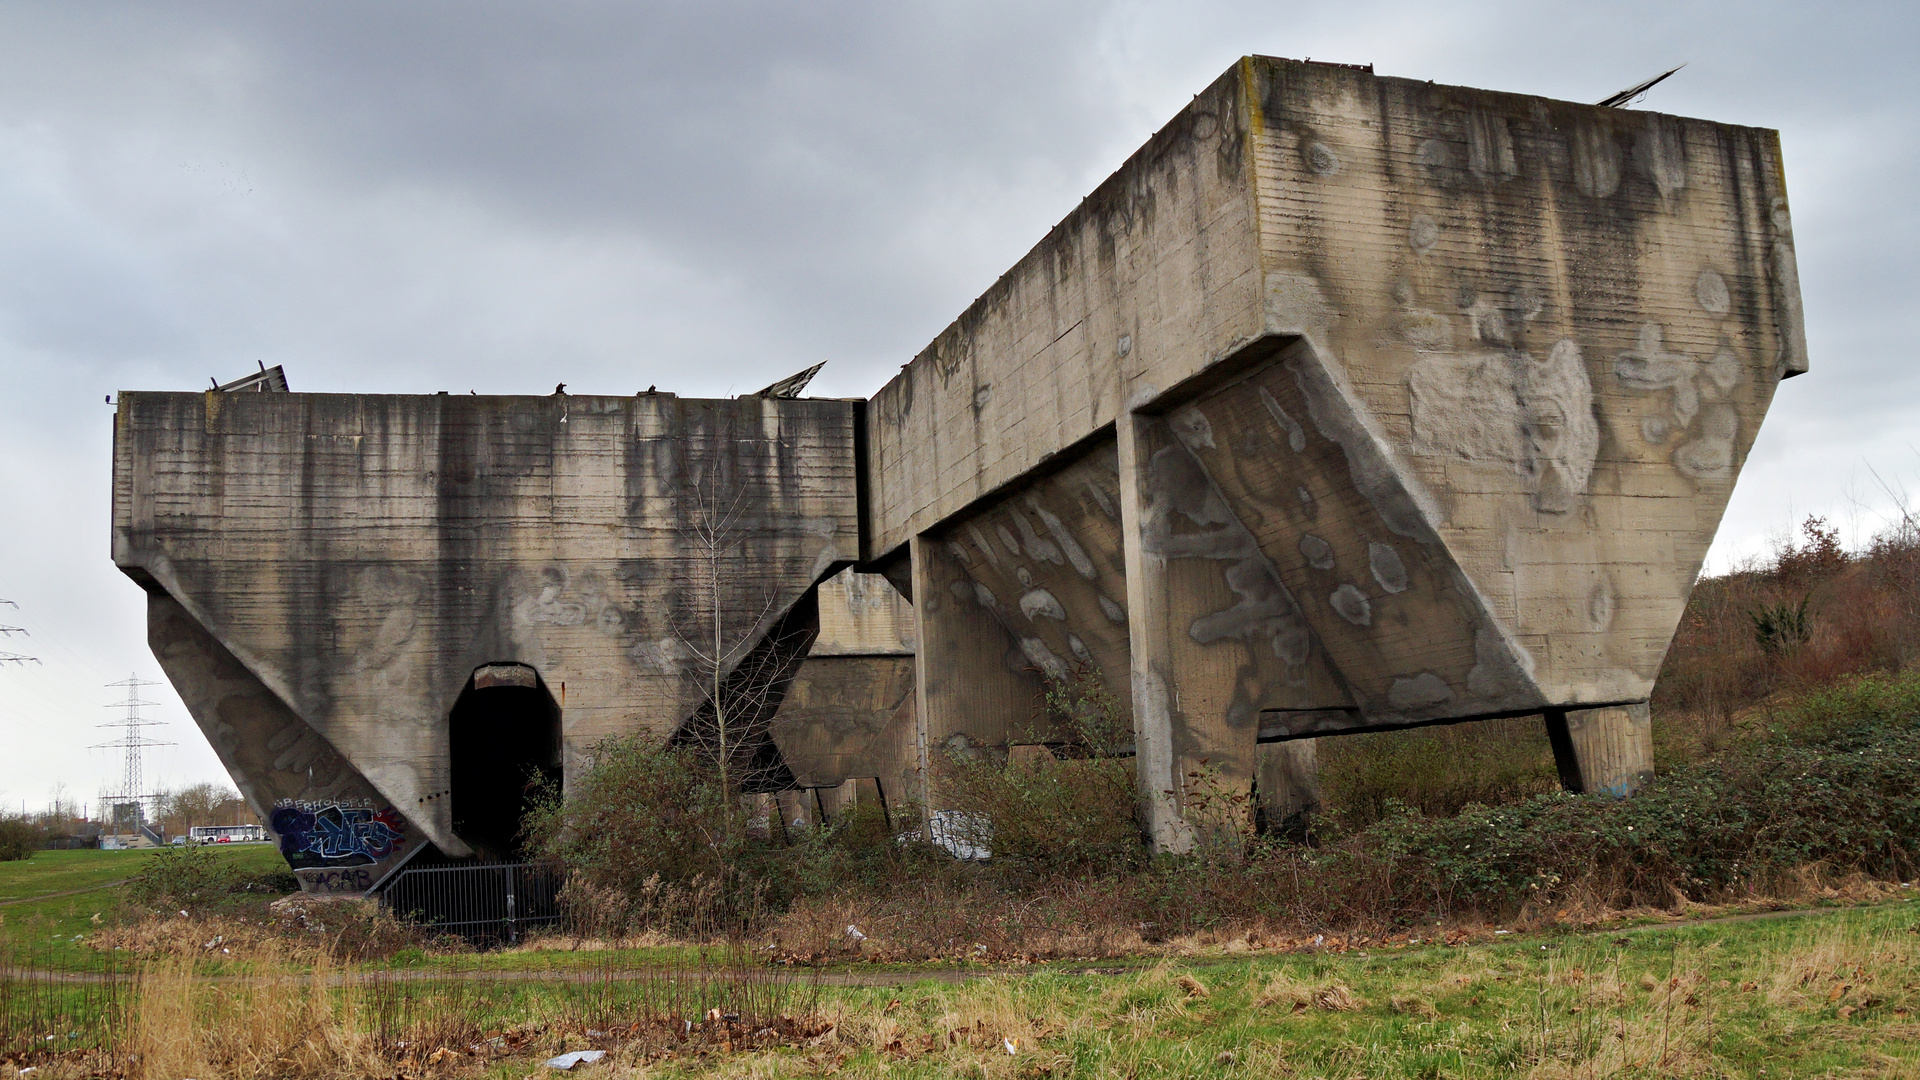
[9, 631]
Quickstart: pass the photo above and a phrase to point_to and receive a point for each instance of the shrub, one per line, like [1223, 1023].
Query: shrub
[1782, 626]
[653, 840]
[1063, 806]
[646, 816]
[18, 839]
[191, 875]
[1756, 812]
[1436, 771]
[1850, 705]
[1809, 615]
[1046, 815]
[177, 876]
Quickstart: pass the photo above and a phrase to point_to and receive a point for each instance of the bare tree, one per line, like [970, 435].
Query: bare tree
[741, 647]
[200, 804]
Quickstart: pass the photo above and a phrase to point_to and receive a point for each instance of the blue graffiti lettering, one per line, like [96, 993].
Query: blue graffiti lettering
[330, 834]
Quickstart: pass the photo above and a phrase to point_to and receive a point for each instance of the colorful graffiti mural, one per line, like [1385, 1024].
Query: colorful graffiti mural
[333, 834]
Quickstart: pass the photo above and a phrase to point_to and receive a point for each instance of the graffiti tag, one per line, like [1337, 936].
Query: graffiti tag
[334, 835]
[339, 881]
[317, 805]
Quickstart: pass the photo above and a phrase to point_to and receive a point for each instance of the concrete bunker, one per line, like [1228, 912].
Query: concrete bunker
[1286, 437]
[504, 741]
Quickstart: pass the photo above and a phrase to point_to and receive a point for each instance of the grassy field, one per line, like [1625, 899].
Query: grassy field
[48, 903]
[1827, 994]
[1830, 994]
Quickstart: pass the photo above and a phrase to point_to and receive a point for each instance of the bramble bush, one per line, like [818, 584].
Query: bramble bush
[1065, 809]
[1836, 784]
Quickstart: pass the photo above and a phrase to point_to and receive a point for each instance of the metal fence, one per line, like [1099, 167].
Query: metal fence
[489, 902]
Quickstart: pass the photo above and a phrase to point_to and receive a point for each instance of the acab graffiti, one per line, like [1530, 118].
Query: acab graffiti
[331, 834]
[337, 880]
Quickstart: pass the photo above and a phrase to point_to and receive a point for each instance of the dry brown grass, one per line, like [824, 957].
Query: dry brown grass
[1588, 1008]
[280, 1025]
[297, 927]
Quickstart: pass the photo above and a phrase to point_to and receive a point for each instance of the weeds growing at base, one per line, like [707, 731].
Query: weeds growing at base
[1802, 772]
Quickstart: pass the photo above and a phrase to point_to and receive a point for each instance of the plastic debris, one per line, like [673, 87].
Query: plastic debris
[854, 933]
[963, 834]
[566, 1062]
[1012, 1045]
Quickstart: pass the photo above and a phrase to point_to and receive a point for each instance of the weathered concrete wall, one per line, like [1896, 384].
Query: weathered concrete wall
[339, 833]
[849, 712]
[1423, 403]
[1542, 337]
[1154, 276]
[328, 570]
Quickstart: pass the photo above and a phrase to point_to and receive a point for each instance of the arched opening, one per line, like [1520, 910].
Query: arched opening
[504, 738]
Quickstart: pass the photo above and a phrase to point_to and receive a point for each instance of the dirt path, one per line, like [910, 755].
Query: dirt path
[69, 892]
[794, 976]
[801, 976]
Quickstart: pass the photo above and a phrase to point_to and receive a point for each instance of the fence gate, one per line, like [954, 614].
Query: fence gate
[487, 902]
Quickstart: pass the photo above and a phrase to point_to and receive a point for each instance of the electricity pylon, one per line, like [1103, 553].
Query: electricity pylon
[133, 779]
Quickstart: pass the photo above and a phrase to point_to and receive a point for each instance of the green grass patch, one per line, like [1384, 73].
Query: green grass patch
[1820, 994]
[48, 903]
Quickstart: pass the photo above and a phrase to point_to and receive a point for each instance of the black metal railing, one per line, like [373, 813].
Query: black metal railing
[491, 902]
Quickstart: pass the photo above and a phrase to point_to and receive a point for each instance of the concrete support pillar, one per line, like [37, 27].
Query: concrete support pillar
[1155, 754]
[798, 808]
[837, 802]
[1606, 750]
[763, 815]
[971, 680]
[1288, 785]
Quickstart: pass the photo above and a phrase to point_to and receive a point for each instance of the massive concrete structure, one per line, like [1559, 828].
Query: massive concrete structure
[1349, 403]
[353, 592]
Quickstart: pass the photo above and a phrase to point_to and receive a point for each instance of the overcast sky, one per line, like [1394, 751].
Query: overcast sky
[411, 197]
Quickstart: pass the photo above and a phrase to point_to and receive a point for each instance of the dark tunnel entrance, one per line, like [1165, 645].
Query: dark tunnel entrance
[504, 735]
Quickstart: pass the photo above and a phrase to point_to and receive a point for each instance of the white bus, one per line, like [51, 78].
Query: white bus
[225, 834]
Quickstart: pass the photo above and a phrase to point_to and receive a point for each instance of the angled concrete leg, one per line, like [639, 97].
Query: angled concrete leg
[973, 687]
[836, 803]
[1288, 786]
[799, 808]
[1606, 750]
